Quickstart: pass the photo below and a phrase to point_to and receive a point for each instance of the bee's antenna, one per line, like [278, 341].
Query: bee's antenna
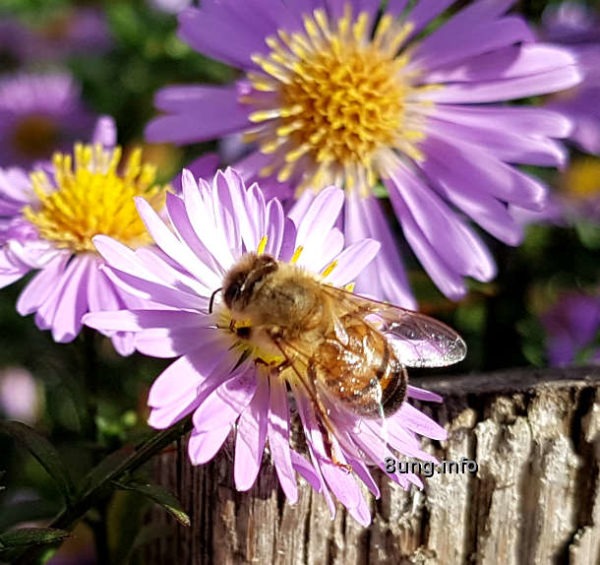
[212, 300]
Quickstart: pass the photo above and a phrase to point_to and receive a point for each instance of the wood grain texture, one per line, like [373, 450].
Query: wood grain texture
[535, 499]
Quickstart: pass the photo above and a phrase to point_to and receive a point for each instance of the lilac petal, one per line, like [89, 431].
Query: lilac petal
[506, 89]
[197, 207]
[185, 375]
[204, 166]
[247, 218]
[315, 444]
[352, 261]
[41, 286]
[209, 31]
[98, 285]
[505, 64]
[165, 416]
[224, 182]
[166, 270]
[250, 438]
[176, 249]
[226, 403]
[123, 343]
[506, 145]
[441, 48]
[447, 279]
[278, 433]
[491, 214]
[122, 258]
[72, 302]
[276, 227]
[408, 416]
[203, 446]
[473, 16]
[422, 13]
[397, 437]
[480, 168]
[307, 471]
[341, 483]
[319, 218]
[346, 489]
[165, 343]
[396, 7]
[105, 132]
[519, 120]
[184, 402]
[182, 226]
[315, 258]
[422, 394]
[155, 292]
[199, 113]
[287, 248]
[15, 185]
[386, 278]
[362, 471]
[440, 226]
[137, 320]
[7, 278]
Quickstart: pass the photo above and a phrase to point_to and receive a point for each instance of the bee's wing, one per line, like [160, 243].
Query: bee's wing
[417, 339]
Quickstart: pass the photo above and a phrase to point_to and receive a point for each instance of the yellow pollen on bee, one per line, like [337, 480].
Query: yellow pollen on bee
[333, 97]
[90, 195]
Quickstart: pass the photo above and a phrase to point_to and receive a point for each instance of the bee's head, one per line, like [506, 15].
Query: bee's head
[241, 280]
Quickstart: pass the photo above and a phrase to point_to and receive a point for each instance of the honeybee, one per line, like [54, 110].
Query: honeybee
[343, 347]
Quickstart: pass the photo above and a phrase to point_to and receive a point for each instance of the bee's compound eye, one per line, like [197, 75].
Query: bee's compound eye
[243, 332]
[233, 291]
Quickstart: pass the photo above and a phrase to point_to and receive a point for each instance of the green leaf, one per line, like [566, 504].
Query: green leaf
[20, 511]
[160, 496]
[24, 537]
[105, 470]
[589, 234]
[44, 452]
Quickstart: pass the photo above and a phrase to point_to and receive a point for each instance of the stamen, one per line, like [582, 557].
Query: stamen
[262, 245]
[91, 197]
[296, 254]
[329, 269]
[341, 95]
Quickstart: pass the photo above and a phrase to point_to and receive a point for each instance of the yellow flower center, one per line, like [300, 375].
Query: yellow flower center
[582, 179]
[90, 196]
[35, 136]
[334, 100]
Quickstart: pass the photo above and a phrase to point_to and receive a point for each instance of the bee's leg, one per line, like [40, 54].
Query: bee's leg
[331, 451]
[328, 433]
[327, 428]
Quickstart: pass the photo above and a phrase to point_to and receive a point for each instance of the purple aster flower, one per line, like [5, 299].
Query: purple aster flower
[576, 200]
[572, 329]
[38, 115]
[20, 397]
[578, 27]
[171, 6]
[48, 218]
[233, 382]
[69, 32]
[339, 93]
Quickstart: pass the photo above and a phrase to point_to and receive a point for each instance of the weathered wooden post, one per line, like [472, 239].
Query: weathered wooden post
[535, 497]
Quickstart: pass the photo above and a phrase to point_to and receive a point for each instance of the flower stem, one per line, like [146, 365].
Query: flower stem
[96, 494]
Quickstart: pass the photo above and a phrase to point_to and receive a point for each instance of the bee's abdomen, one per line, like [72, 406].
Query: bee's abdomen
[363, 373]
